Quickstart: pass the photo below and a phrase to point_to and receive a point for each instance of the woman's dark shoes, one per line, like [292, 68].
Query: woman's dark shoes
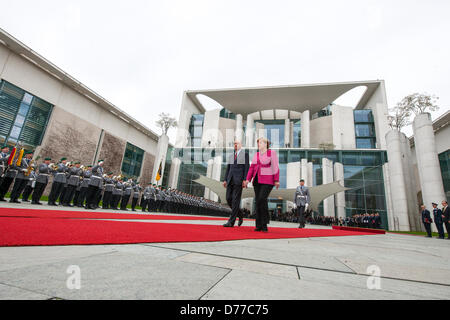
[258, 229]
[264, 230]
[241, 220]
[228, 225]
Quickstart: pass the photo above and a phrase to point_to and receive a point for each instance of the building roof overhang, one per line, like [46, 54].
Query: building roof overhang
[299, 98]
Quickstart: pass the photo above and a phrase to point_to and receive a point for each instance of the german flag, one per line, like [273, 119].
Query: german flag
[11, 156]
[158, 174]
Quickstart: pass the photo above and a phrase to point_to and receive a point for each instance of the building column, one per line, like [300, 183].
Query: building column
[427, 161]
[287, 132]
[340, 197]
[209, 170]
[397, 181]
[292, 180]
[388, 195]
[174, 173]
[239, 133]
[305, 128]
[161, 153]
[249, 131]
[216, 172]
[327, 177]
[304, 172]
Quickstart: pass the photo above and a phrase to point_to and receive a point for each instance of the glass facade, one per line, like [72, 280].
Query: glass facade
[23, 117]
[444, 160]
[364, 129]
[196, 129]
[132, 161]
[297, 128]
[224, 113]
[274, 131]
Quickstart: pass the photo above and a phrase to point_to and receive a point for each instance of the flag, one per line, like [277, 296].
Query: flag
[11, 156]
[19, 158]
[158, 174]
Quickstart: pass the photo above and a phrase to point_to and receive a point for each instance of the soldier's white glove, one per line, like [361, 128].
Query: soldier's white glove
[306, 206]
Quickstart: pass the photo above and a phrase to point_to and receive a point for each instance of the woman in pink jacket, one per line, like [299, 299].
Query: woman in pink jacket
[264, 173]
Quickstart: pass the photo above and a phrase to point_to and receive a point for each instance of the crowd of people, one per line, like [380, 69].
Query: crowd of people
[73, 184]
[366, 220]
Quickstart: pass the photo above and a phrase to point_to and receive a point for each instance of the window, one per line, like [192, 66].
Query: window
[364, 129]
[132, 161]
[23, 117]
[196, 130]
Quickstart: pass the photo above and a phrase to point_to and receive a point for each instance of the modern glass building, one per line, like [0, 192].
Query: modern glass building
[315, 139]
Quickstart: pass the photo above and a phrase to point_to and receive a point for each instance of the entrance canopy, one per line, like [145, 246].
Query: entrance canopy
[313, 97]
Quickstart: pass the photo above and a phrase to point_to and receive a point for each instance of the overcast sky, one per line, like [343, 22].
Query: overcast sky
[141, 55]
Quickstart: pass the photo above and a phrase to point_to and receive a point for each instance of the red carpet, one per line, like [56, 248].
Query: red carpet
[49, 232]
[365, 230]
[39, 213]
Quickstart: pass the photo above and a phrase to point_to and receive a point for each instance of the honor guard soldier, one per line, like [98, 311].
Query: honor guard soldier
[128, 188]
[21, 179]
[145, 197]
[9, 174]
[30, 186]
[84, 186]
[109, 188]
[59, 179]
[74, 176]
[95, 183]
[302, 200]
[136, 190]
[78, 188]
[4, 155]
[117, 193]
[42, 178]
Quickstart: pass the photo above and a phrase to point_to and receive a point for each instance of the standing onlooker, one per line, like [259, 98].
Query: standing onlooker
[426, 220]
[446, 217]
[437, 213]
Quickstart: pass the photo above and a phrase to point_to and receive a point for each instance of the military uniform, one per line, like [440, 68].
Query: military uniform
[107, 195]
[74, 174]
[302, 199]
[59, 180]
[117, 194]
[136, 190]
[128, 188]
[21, 179]
[437, 213]
[8, 178]
[95, 184]
[29, 187]
[3, 163]
[41, 182]
[145, 198]
[84, 187]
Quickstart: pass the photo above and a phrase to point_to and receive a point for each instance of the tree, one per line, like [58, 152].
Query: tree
[400, 117]
[419, 103]
[166, 122]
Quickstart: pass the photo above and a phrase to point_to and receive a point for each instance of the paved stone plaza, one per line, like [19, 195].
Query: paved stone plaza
[411, 267]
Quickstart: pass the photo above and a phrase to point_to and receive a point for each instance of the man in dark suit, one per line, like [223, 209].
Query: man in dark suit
[237, 169]
[426, 220]
[446, 217]
[437, 213]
